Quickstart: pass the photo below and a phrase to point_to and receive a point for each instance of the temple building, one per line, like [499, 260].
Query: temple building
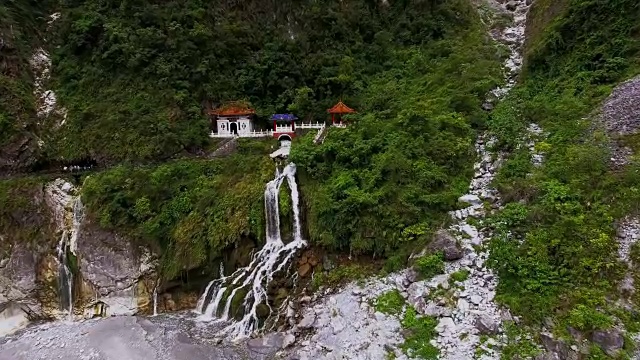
[233, 119]
[239, 120]
[337, 111]
[284, 126]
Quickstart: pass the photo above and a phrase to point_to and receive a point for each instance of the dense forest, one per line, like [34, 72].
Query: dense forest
[136, 79]
[136, 76]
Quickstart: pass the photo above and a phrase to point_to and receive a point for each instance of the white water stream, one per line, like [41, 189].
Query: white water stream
[68, 244]
[65, 277]
[254, 279]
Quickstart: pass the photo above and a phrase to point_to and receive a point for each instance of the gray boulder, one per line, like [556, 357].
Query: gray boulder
[446, 243]
[511, 6]
[486, 325]
[470, 199]
[610, 341]
[13, 317]
[307, 321]
[556, 348]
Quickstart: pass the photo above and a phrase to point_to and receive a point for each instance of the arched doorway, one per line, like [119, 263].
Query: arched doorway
[284, 141]
[233, 128]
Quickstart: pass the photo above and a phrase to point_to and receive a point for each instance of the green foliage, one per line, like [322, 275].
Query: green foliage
[421, 329]
[512, 217]
[430, 265]
[341, 274]
[395, 262]
[390, 302]
[519, 344]
[136, 76]
[585, 318]
[513, 178]
[460, 275]
[19, 29]
[389, 178]
[190, 210]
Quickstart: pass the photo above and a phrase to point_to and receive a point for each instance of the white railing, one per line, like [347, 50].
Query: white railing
[284, 128]
[310, 125]
[339, 125]
[318, 136]
[253, 134]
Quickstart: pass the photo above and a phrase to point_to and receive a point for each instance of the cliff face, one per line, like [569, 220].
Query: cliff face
[103, 266]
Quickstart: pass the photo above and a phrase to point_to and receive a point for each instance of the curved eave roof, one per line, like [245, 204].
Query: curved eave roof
[232, 111]
[340, 108]
[283, 117]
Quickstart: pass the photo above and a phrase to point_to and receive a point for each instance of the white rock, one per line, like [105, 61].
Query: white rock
[463, 305]
[470, 199]
[289, 340]
[446, 326]
[475, 299]
[307, 321]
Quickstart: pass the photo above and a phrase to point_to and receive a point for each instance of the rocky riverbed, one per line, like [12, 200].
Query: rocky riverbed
[174, 337]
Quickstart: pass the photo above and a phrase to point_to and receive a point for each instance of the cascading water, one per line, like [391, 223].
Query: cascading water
[255, 278]
[65, 277]
[155, 300]
[71, 217]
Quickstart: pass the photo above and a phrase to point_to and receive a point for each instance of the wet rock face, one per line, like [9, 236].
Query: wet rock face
[114, 270]
[19, 153]
[109, 265]
[23, 246]
[20, 271]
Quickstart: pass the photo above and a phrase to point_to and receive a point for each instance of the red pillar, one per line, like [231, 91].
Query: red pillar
[274, 126]
[293, 126]
[333, 121]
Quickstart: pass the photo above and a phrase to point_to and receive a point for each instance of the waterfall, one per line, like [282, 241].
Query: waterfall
[155, 300]
[68, 212]
[77, 217]
[72, 217]
[65, 277]
[255, 278]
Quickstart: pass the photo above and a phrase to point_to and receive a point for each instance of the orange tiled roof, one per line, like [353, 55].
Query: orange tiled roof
[233, 109]
[340, 108]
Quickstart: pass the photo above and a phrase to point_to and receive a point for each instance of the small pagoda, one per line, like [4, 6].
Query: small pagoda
[233, 119]
[284, 126]
[337, 111]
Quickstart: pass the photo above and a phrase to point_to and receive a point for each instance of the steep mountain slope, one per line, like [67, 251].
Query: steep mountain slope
[557, 247]
[135, 79]
[20, 34]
